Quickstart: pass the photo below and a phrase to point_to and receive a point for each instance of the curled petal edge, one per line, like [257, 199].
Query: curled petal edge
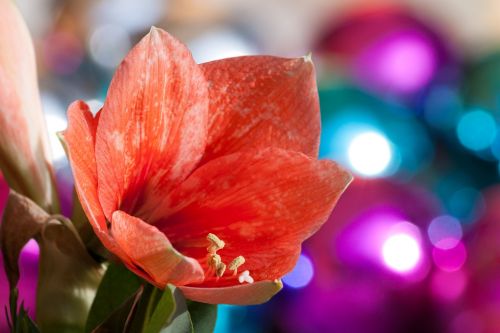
[243, 294]
[150, 250]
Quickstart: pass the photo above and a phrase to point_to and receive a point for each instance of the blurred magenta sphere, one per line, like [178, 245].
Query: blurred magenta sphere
[385, 49]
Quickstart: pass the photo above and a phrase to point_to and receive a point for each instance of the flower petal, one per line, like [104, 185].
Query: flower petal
[262, 204]
[150, 250]
[24, 154]
[80, 139]
[152, 130]
[260, 102]
[244, 294]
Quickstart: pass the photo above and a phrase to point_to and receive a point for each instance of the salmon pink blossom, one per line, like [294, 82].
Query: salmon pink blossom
[205, 176]
[24, 153]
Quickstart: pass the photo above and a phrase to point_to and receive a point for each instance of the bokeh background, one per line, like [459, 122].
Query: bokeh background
[410, 102]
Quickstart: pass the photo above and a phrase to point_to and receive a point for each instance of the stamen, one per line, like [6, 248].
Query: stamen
[221, 268]
[215, 243]
[245, 277]
[215, 264]
[237, 262]
[214, 260]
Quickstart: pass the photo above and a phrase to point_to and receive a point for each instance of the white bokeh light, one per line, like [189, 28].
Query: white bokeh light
[95, 105]
[369, 153]
[302, 274]
[109, 44]
[445, 232]
[56, 122]
[220, 43]
[404, 50]
[132, 15]
[401, 252]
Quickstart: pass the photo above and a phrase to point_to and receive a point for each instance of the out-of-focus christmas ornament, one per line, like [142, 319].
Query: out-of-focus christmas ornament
[478, 309]
[386, 49]
[376, 259]
[374, 138]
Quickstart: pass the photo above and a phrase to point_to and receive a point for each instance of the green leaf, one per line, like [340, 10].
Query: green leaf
[203, 316]
[117, 286]
[24, 323]
[168, 313]
[19, 320]
[180, 324]
[181, 320]
[162, 313]
[120, 319]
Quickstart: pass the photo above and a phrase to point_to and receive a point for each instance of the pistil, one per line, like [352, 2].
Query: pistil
[245, 277]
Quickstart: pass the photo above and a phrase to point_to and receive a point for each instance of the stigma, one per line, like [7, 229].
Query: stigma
[245, 277]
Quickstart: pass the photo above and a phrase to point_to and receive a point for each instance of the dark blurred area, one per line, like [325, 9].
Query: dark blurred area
[410, 102]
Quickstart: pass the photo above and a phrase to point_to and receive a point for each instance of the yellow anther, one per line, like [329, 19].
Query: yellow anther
[216, 265]
[215, 243]
[221, 268]
[237, 262]
[214, 260]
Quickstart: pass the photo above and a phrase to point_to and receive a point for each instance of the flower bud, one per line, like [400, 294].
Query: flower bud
[24, 153]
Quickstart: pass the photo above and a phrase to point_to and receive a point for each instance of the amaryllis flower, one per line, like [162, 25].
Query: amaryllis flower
[205, 176]
[24, 157]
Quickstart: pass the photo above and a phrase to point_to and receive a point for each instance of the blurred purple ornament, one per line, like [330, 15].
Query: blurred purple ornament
[445, 232]
[357, 231]
[468, 322]
[403, 62]
[302, 274]
[479, 308]
[374, 278]
[448, 286]
[62, 52]
[351, 305]
[382, 237]
[386, 49]
[450, 260]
